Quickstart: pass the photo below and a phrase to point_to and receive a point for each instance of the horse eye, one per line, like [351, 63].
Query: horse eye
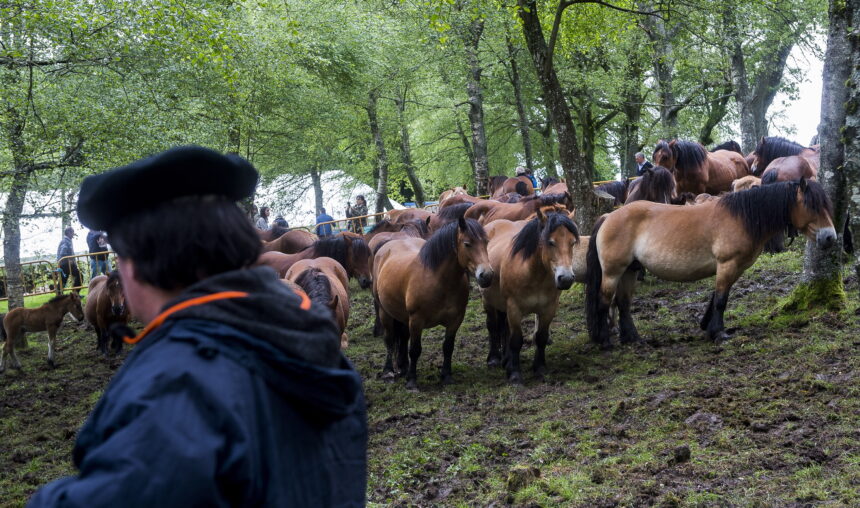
[551, 242]
[467, 244]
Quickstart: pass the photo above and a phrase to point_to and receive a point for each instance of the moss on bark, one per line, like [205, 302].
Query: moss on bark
[816, 294]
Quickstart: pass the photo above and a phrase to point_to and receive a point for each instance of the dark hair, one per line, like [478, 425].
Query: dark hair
[443, 244]
[180, 242]
[534, 232]
[68, 230]
[767, 209]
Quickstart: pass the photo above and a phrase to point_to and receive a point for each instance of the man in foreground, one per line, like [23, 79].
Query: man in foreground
[237, 393]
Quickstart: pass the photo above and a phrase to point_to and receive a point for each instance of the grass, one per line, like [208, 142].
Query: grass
[770, 417]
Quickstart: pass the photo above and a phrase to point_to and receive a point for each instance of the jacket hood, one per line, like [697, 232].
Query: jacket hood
[296, 351]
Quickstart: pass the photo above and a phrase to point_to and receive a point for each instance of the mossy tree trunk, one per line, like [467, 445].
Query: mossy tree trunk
[821, 285]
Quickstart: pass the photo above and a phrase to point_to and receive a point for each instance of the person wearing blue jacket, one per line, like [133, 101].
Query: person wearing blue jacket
[236, 393]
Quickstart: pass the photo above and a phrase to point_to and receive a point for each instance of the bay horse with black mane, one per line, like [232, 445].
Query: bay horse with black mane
[488, 211]
[696, 170]
[656, 184]
[48, 318]
[325, 282]
[106, 307]
[688, 243]
[422, 284]
[778, 159]
[350, 251]
[532, 263]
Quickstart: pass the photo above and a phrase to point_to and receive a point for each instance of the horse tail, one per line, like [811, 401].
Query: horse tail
[2, 330]
[769, 177]
[521, 188]
[593, 282]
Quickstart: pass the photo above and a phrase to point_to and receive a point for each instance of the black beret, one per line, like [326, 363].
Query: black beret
[182, 171]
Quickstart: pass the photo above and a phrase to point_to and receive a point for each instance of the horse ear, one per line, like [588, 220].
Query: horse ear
[428, 220]
[461, 223]
[540, 216]
[332, 304]
[802, 183]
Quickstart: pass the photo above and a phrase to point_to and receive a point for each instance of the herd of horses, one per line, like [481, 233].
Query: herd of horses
[696, 214]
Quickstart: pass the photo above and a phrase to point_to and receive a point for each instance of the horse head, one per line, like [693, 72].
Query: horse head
[558, 236]
[813, 212]
[472, 250]
[664, 155]
[359, 256]
[113, 287]
[74, 306]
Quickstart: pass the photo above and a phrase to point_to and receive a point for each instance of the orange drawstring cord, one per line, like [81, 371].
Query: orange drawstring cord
[200, 300]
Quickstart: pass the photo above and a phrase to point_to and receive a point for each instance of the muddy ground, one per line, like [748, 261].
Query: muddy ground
[769, 418]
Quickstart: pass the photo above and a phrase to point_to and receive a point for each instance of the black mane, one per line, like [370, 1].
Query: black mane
[547, 199]
[278, 231]
[443, 244]
[547, 181]
[360, 249]
[453, 212]
[316, 285]
[378, 225]
[618, 190]
[689, 155]
[59, 298]
[334, 247]
[766, 210]
[774, 147]
[527, 240]
[656, 184]
[730, 145]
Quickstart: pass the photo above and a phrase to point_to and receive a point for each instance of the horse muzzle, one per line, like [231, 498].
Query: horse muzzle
[484, 276]
[364, 282]
[563, 278]
[826, 238]
[117, 310]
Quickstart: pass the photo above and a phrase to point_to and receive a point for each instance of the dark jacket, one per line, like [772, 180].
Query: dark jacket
[93, 245]
[645, 165]
[239, 402]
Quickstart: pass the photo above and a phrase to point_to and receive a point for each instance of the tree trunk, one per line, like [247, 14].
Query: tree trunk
[381, 156]
[467, 145]
[718, 109]
[821, 284]
[662, 56]
[632, 109]
[481, 166]
[549, 147]
[851, 167]
[576, 172]
[14, 130]
[406, 151]
[316, 182]
[521, 109]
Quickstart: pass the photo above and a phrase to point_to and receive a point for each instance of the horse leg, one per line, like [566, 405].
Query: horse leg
[389, 337]
[101, 340]
[624, 299]
[377, 323]
[494, 357]
[52, 341]
[541, 341]
[515, 345]
[608, 291]
[448, 351]
[414, 353]
[727, 274]
[709, 312]
[401, 338]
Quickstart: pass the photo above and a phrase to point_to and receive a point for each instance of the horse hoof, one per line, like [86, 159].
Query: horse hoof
[447, 379]
[388, 376]
[412, 385]
[515, 379]
[494, 361]
[51, 364]
[631, 339]
[720, 337]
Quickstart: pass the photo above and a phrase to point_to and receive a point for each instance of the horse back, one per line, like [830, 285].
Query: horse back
[790, 168]
[724, 167]
[91, 309]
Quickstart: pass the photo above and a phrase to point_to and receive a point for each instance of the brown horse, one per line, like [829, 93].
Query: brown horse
[656, 184]
[48, 318]
[532, 262]
[511, 197]
[501, 185]
[408, 214]
[350, 251]
[696, 170]
[459, 199]
[325, 282]
[447, 215]
[106, 306]
[272, 233]
[449, 193]
[422, 284]
[488, 211]
[291, 242]
[802, 161]
[687, 243]
[386, 230]
[618, 190]
[747, 182]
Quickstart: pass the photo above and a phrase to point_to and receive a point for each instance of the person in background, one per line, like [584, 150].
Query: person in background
[324, 229]
[68, 266]
[281, 221]
[237, 393]
[641, 164]
[524, 171]
[263, 220]
[359, 209]
[97, 242]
